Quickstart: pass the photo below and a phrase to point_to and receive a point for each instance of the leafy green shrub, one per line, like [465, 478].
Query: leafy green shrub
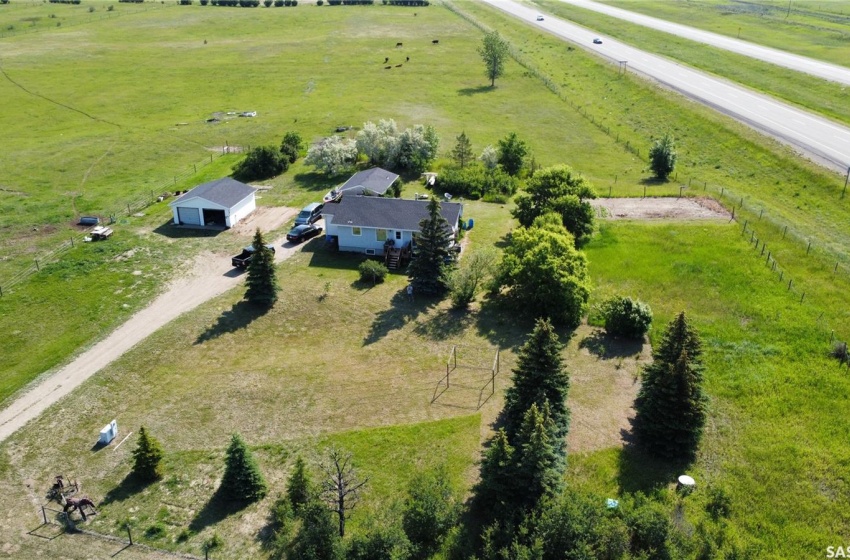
[91, 9]
[372, 271]
[320, 2]
[262, 162]
[719, 503]
[624, 316]
[268, 3]
[155, 531]
[474, 181]
[278, 3]
[650, 526]
[110, 8]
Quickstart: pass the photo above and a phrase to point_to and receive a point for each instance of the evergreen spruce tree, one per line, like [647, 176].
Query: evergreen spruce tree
[462, 152]
[670, 406]
[262, 277]
[498, 490]
[317, 539]
[300, 489]
[539, 378]
[242, 480]
[539, 466]
[147, 457]
[428, 270]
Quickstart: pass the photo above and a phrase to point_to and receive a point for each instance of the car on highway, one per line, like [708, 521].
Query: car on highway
[303, 233]
[597, 41]
[539, 18]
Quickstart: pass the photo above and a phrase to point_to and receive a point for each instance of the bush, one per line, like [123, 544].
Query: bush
[268, 3]
[320, 2]
[110, 8]
[278, 3]
[372, 270]
[719, 503]
[262, 162]
[474, 181]
[156, 531]
[624, 316]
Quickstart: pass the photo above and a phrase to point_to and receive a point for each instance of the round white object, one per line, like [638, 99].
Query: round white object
[686, 480]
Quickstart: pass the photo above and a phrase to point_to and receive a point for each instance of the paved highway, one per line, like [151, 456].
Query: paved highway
[825, 70]
[823, 140]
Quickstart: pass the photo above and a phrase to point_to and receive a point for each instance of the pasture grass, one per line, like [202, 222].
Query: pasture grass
[778, 400]
[715, 152]
[811, 28]
[821, 96]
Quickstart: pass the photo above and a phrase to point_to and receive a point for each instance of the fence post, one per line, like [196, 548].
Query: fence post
[128, 209]
[784, 231]
[37, 268]
[72, 242]
[44, 515]
[130, 535]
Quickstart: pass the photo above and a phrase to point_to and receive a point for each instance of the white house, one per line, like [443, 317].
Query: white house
[380, 226]
[222, 202]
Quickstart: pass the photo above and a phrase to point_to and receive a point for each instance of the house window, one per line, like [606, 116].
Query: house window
[398, 235]
[356, 231]
[381, 234]
[370, 251]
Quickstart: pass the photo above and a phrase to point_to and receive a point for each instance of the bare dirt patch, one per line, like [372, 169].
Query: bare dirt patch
[265, 218]
[660, 209]
[604, 384]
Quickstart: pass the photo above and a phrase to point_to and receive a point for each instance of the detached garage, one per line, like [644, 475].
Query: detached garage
[218, 203]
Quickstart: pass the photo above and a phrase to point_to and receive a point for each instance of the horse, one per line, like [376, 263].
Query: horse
[79, 504]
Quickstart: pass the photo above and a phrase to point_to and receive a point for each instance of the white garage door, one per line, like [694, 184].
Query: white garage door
[189, 216]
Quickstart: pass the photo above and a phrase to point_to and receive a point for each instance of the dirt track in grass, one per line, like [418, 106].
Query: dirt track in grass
[209, 275]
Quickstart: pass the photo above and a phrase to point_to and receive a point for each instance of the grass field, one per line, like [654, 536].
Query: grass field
[336, 362]
[821, 96]
[813, 28]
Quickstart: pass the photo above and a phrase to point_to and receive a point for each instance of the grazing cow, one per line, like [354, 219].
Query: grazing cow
[398, 65]
[435, 42]
[387, 59]
[397, 45]
[387, 67]
[407, 59]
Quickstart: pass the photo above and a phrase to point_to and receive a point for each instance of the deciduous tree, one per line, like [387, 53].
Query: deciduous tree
[670, 406]
[493, 51]
[262, 276]
[512, 152]
[262, 162]
[474, 270]
[430, 510]
[340, 486]
[662, 157]
[332, 155]
[291, 145]
[560, 190]
[545, 274]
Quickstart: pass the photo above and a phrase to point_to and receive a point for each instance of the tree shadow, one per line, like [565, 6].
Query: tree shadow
[172, 231]
[445, 324]
[503, 242]
[500, 323]
[127, 488]
[638, 471]
[400, 312]
[469, 92]
[238, 317]
[217, 509]
[607, 347]
[315, 181]
[653, 181]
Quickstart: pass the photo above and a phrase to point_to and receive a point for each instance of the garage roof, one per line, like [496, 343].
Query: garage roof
[225, 191]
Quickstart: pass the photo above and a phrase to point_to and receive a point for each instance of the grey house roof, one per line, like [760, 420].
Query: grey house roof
[387, 213]
[225, 191]
[375, 180]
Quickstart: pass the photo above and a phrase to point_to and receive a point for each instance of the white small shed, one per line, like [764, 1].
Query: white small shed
[223, 202]
[108, 433]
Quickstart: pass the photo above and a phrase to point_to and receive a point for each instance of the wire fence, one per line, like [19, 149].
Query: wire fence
[735, 203]
[128, 208]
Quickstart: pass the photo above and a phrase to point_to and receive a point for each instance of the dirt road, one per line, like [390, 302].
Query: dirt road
[210, 276]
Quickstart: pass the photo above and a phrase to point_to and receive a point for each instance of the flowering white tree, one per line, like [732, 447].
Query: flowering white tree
[417, 147]
[490, 157]
[411, 149]
[379, 142]
[332, 155]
